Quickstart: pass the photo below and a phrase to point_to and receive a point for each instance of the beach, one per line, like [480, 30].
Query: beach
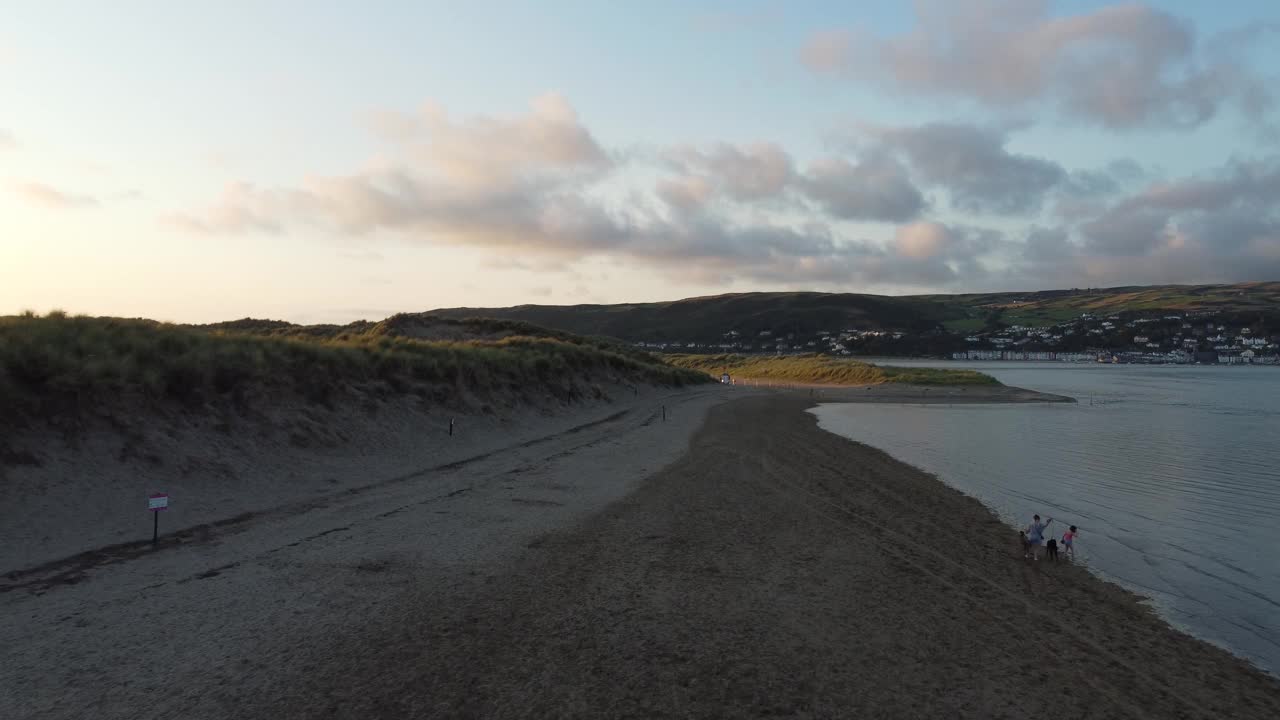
[730, 560]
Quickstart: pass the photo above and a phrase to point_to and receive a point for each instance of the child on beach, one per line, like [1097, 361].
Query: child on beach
[1026, 543]
[1035, 534]
[1068, 542]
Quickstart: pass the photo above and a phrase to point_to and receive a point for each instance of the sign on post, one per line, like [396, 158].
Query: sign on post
[156, 503]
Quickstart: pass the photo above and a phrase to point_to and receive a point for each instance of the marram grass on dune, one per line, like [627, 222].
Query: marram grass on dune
[57, 362]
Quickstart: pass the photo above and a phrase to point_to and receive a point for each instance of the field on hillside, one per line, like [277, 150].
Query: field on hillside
[825, 370]
[57, 363]
[1055, 306]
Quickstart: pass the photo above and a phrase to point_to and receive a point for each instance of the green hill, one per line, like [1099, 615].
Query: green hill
[708, 319]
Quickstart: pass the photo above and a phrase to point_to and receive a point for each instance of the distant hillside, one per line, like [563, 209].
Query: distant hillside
[803, 314]
[707, 318]
[1050, 306]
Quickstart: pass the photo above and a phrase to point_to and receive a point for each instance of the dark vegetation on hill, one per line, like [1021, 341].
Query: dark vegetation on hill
[824, 369]
[707, 319]
[56, 365]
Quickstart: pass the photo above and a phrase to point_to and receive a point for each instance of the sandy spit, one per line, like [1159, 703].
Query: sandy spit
[735, 561]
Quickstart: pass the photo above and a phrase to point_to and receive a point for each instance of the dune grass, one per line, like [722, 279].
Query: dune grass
[825, 370]
[426, 326]
[55, 361]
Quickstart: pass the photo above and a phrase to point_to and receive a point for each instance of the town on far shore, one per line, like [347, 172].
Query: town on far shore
[1193, 337]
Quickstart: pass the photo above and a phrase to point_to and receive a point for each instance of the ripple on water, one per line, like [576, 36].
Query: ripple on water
[1172, 475]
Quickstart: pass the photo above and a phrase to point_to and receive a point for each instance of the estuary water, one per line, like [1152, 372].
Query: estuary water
[1171, 473]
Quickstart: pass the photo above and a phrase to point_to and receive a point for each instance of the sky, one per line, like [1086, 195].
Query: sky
[333, 161]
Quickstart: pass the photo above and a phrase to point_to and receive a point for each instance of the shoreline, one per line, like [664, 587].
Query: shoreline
[912, 394]
[779, 568]
[735, 560]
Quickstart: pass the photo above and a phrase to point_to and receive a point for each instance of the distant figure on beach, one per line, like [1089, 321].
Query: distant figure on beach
[1026, 544]
[1035, 534]
[1069, 542]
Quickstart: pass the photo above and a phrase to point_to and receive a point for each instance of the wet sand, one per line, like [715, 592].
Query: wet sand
[767, 568]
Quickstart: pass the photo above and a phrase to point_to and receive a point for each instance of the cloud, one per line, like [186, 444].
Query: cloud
[484, 153]
[876, 188]
[744, 173]
[1109, 180]
[50, 197]
[1223, 226]
[7, 140]
[974, 166]
[745, 213]
[1223, 212]
[922, 240]
[554, 223]
[686, 193]
[1120, 66]
[242, 208]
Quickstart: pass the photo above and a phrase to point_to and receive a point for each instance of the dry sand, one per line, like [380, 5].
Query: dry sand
[749, 565]
[86, 486]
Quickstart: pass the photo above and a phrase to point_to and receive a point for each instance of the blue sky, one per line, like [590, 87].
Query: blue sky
[328, 161]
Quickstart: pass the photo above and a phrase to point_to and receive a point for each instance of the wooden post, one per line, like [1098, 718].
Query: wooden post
[450, 427]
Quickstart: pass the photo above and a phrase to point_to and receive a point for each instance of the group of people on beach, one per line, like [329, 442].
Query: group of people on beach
[1033, 539]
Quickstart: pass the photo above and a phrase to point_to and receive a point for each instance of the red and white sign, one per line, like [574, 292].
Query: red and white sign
[158, 501]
